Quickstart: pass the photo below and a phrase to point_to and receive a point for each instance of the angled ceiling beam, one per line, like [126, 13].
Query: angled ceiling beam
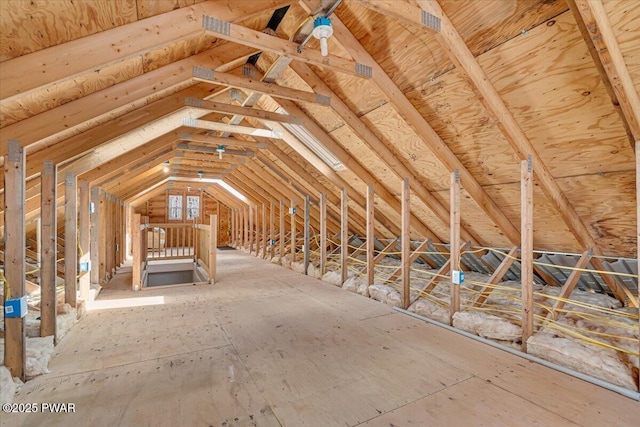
[216, 140]
[142, 198]
[248, 37]
[207, 75]
[221, 107]
[594, 24]
[149, 190]
[302, 178]
[136, 170]
[266, 180]
[99, 107]
[223, 127]
[350, 162]
[78, 57]
[466, 63]
[423, 129]
[401, 169]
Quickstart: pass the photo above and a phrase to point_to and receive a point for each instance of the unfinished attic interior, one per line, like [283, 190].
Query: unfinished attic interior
[320, 212]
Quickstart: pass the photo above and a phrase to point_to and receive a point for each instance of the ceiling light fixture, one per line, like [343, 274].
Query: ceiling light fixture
[220, 150]
[322, 30]
[200, 174]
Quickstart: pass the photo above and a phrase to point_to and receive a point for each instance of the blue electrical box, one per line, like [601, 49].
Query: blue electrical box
[16, 307]
[457, 277]
[84, 266]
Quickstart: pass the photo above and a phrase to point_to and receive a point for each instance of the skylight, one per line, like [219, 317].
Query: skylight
[304, 136]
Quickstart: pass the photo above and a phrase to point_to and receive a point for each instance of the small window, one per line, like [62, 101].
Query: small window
[175, 208]
[193, 207]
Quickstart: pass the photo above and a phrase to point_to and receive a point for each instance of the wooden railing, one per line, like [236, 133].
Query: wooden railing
[153, 242]
[170, 241]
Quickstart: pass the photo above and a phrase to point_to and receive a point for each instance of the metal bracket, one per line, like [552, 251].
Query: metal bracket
[430, 21]
[216, 25]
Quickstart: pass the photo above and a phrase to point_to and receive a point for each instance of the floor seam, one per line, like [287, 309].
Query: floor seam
[415, 400]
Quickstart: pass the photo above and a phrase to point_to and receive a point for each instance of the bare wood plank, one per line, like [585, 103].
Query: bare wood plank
[454, 250]
[414, 256]
[85, 239]
[272, 89]
[71, 239]
[429, 136]
[307, 229]
[464, 60]
[251, 229]
[213, 248]
[344, 234]
[14, 255]
[266, 42]
[281, 230]
[48, 269]
[406, 243]
[526, 257]
[497, 276]
[264, 231]
[136, 246]
[604, 77]
[292, 230]
[223, 127]
[257, 113]
[216, 140]
[323, 234]
[122, 42]
[370, 234]
[638, 224]
[95, 235]
[272, 230]
[570, 284]
[594, 17]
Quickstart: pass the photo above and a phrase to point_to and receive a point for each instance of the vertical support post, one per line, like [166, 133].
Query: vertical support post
[245, 217]
[454, 250]
[406, 243]
[323, 234]
[213, 248]
[370, 235]
[104, 224]
[94, 234]
[281, 230]
[264, 231]
[48, 270]
[84, 227]
[307, 226]
[272, 232]
[251, 215]
[638, 226]
[344, 234]
[70, 239]
[293, 230]
[233, 227]
[39, 241]
[136, 244]
[256, 213]
[526, 251]
[14, 255]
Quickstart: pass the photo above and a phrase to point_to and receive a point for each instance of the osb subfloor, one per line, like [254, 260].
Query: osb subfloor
[267, 346]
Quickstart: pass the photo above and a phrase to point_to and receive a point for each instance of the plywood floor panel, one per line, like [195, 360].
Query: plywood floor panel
[267, 346]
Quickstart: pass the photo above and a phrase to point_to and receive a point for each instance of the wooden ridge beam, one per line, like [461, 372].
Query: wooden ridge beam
[212, 150]
[248, 37]
[207, 75]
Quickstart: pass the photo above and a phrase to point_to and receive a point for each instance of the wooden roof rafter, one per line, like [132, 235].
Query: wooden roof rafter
[594, 24]
[424, 130]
